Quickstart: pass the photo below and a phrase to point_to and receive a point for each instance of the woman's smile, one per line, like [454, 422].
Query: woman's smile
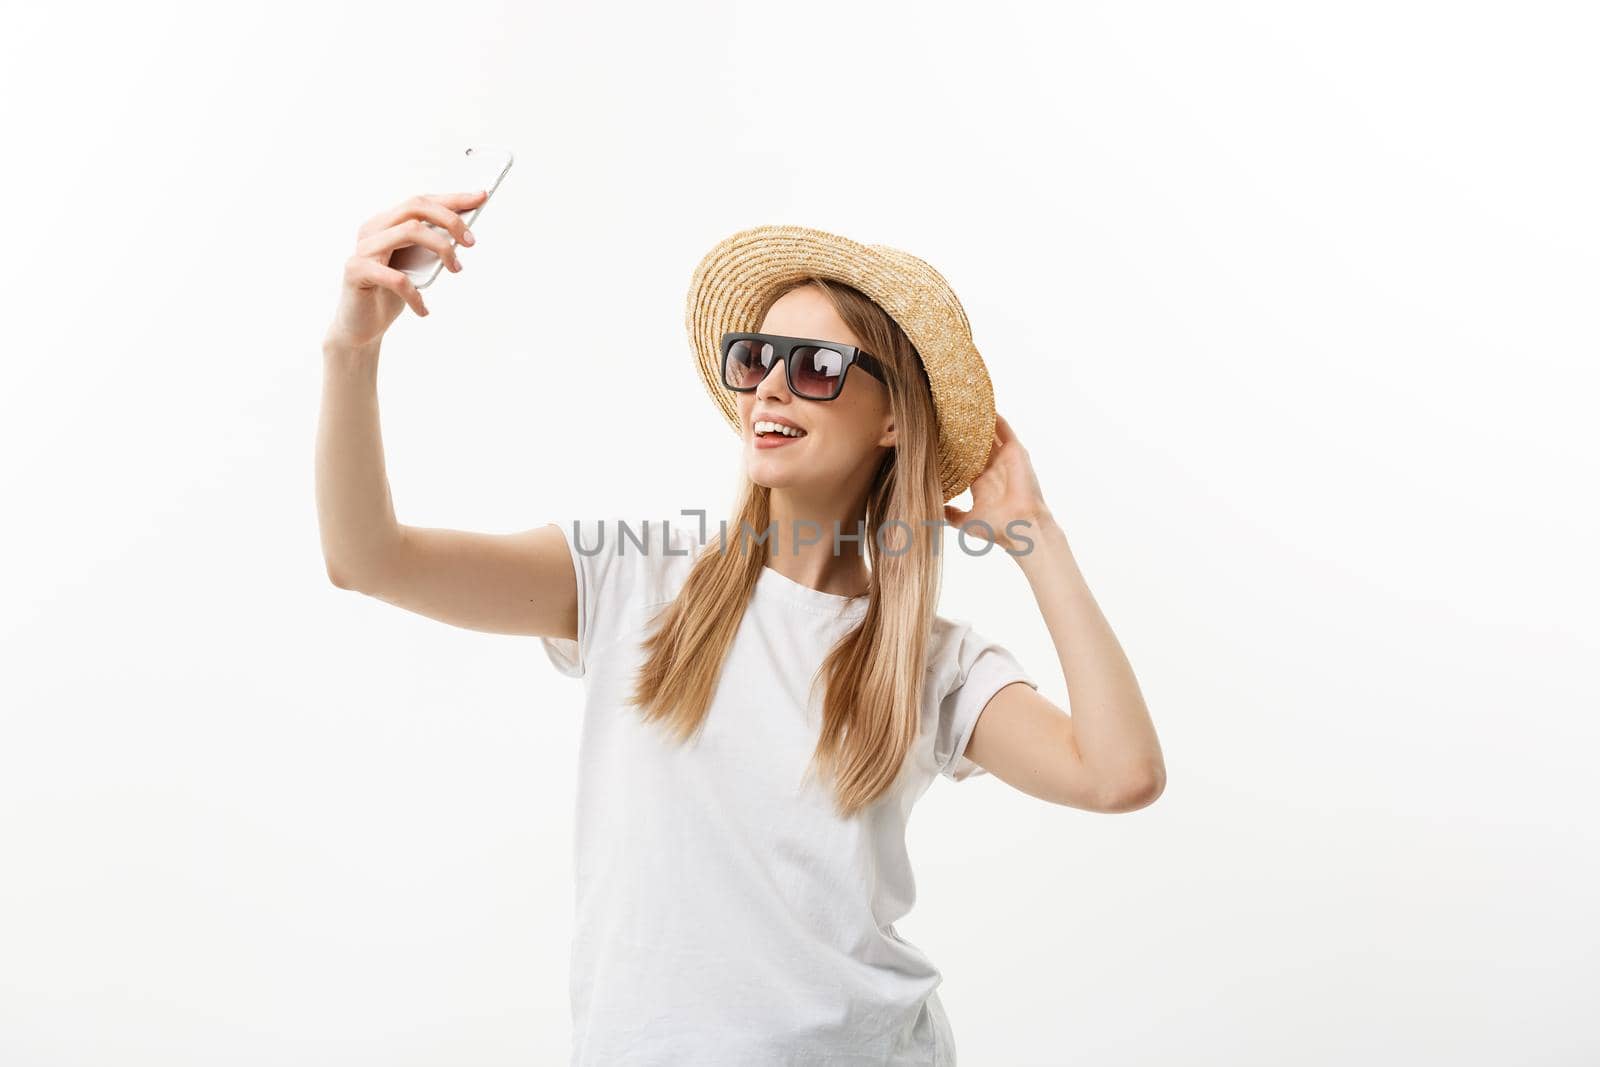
[775, 431]
[776, 440]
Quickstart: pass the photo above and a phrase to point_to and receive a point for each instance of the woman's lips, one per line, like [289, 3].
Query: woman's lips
[775, 440]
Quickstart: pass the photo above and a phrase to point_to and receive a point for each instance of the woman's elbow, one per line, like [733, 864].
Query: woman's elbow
[1132, 791]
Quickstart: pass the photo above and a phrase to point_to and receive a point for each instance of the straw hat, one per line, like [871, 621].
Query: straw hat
[730, 289]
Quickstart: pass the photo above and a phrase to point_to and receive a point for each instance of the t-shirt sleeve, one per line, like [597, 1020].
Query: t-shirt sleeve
[983, 668]
[599, 570]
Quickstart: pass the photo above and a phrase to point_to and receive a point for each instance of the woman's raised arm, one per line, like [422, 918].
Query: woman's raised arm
[517, 583]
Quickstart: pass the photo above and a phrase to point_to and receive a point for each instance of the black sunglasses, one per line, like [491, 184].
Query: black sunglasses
[815, 368]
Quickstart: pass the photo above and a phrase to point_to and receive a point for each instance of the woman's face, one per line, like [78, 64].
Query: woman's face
[844, 438]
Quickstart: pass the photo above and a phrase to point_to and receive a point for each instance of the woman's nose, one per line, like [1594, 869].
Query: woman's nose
[775, 382]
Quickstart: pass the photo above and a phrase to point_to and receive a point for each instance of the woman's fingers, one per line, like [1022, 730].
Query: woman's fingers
[407, 223]
[366, 308]
[1006, 436]
[365, 272]
[441, 209]
[450, 206]
[459, 201]
[409, 232]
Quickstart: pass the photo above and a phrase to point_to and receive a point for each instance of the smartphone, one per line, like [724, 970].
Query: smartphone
[478, 167]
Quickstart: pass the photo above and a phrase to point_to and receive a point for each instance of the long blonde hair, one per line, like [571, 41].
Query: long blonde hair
[874, 675]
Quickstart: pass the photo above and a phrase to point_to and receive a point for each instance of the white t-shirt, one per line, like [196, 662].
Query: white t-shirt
[724, 913]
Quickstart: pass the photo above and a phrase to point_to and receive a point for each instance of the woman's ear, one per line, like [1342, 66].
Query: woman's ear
[887, 437]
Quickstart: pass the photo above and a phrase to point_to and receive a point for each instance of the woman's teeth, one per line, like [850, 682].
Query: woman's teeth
[765, 427]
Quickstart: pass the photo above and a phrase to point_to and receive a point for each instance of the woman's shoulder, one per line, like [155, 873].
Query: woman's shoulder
[948, 632]
[645, 559]
[955, 646]
[966, 667]
[944, 644]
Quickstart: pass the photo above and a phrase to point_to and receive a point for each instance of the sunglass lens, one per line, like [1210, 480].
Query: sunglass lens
[747, 363]
[816, 370]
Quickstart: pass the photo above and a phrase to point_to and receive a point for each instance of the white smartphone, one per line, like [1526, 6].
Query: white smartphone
[478, 167]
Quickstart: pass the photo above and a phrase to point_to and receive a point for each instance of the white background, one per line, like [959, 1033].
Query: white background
[1292, 305]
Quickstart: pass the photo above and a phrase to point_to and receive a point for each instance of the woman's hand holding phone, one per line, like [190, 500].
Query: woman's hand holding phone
[373, 291]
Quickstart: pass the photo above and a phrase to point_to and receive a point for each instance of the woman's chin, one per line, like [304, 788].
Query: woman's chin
[773, 473]
[763, 475]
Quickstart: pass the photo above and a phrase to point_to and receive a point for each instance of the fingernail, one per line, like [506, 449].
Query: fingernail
[467, 238]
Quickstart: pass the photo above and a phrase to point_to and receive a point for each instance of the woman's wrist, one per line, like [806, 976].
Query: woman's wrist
[1041, 534]
[339, 353]
[1036, 524]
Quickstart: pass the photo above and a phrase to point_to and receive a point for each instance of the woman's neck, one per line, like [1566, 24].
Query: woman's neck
[803, 548]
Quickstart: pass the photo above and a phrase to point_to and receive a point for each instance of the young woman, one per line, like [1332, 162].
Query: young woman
[767, 695]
